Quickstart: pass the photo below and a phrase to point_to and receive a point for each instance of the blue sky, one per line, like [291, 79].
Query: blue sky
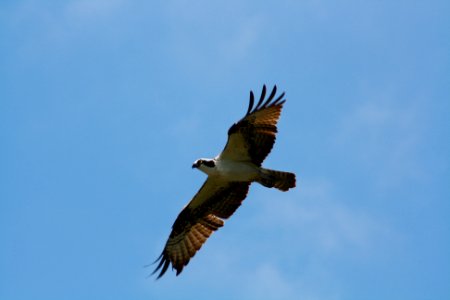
[104, 105]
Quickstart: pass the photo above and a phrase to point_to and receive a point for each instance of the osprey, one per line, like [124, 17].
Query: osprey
[230, 174]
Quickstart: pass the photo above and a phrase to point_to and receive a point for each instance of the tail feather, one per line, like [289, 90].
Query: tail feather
[277, 179]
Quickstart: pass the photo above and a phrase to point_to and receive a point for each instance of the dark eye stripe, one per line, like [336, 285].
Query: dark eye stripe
[209, 163]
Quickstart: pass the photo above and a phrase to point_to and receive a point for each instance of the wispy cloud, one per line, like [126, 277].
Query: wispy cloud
[299, 237]
[243, 39]
[213, 42]
[384, 136]
[69, 11]
[267, 282]
[53, 30]
[321, 219]
[271, 282]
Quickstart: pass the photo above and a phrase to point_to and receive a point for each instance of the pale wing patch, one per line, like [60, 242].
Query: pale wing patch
[209, 188]
[236, 149]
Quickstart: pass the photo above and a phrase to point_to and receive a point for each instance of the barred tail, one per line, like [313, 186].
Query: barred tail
[278, 179]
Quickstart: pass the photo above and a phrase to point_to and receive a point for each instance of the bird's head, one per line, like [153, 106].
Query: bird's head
[204, 164]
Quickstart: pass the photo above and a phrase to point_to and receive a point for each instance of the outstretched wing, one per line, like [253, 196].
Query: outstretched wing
[215, 201]
[252, 138]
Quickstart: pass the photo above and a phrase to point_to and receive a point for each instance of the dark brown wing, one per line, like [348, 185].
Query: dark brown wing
[252, 138]
[215, 201]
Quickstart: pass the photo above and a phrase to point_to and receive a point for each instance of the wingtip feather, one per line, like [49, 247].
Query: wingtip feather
[163, 265]
[250, 104]
[264, 103]
[261, 98]
[272, 94]
[280, 99]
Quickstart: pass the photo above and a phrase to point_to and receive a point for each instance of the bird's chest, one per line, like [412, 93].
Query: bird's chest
[236, 171]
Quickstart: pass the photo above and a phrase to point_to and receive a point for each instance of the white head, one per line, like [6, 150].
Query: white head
[205, 165]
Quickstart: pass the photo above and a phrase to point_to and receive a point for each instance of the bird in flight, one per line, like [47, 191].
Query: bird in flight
[230, 174]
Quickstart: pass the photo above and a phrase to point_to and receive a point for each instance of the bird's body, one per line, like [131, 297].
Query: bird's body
[229, 177]
[231, 170]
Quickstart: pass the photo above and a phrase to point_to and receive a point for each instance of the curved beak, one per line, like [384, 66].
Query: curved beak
[194, 166]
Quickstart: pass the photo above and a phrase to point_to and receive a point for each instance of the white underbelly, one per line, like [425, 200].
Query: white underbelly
[237, 171]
